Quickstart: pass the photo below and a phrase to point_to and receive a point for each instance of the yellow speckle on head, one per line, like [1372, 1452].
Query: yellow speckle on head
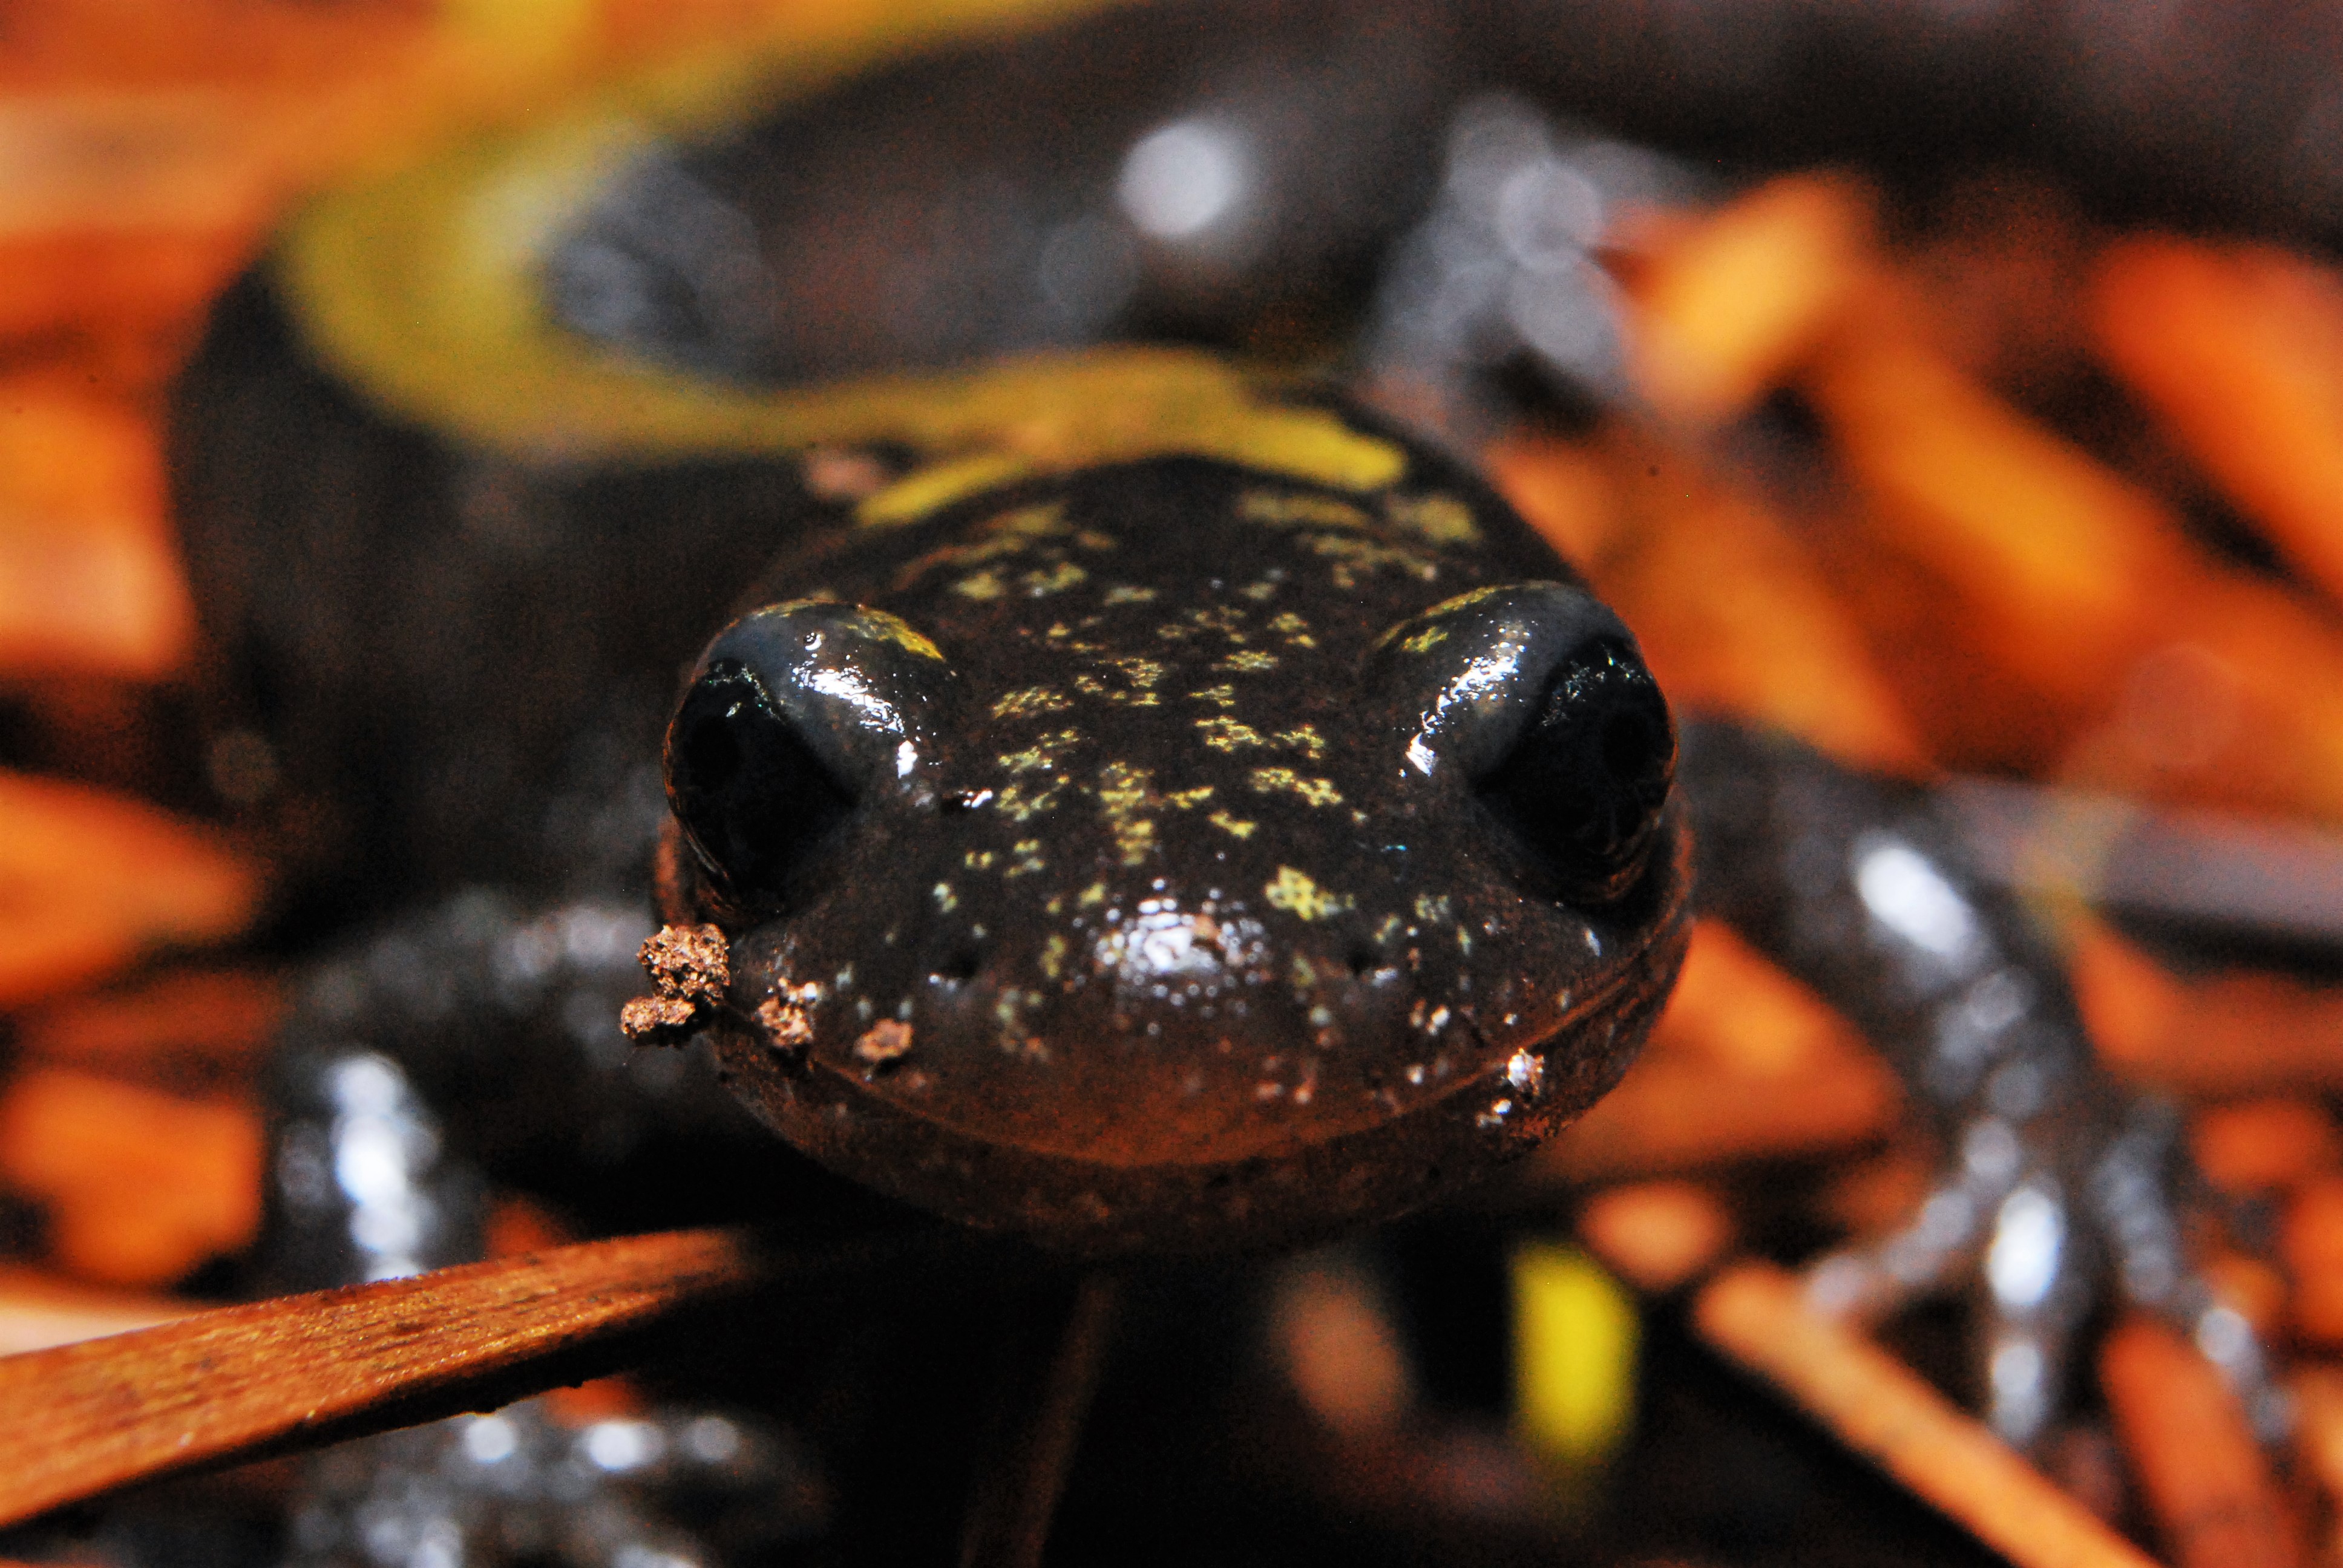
[875, 624]
[1223, 733]
[1142, 673]
[1248, 661]
[979, 860]
[1057, 579]
[1124, 593]
[1009, 535]
[1029, 859]
[946, 899]
[901, 633]
[1443, 519]
[1289, 508]
[1123, 793]
[1431, 909]
[1218, 695]
[1043, 754]
[1430, 628]
[1021, 805]
[1305, 740]
[1092, 896]
[980, 586]
[1295, 893]
[1352, 556]
[1294, 630]
[1313, 791]
[1045, 521]
[1134, 840]
[1053, 955]
[1235, 826]
[1462, 602]
[1013, 1036]
[1258, 591]
[1189, 800]
[1030, 699]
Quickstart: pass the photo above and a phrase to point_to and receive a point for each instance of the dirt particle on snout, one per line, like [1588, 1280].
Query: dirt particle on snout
[883, 1042]
[689, 967]
[787, 1027]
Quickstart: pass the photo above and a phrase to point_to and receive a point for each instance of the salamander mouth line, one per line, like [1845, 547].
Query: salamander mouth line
[1627, 980]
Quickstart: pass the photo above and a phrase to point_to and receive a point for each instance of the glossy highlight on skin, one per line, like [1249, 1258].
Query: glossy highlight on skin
[1161, 941]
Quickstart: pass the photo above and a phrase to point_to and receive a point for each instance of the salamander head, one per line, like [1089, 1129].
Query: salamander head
[1169, 855]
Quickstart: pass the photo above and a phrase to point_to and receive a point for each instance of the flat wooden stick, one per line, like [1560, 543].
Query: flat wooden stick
[1037, 1423]
[2207, 1481]
[1758, 1315]
[302, 1371]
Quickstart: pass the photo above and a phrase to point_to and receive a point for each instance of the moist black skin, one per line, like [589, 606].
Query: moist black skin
[1178, 934]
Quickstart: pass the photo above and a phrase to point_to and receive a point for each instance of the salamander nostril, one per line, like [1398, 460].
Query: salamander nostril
[961, 967]
[1363, 961]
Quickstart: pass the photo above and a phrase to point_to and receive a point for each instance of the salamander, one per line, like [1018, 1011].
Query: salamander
[1110, 797]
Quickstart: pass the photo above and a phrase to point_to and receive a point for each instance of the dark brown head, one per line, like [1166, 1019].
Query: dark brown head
[1173, 855]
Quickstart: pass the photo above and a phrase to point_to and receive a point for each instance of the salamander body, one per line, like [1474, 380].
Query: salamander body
[1119, 799]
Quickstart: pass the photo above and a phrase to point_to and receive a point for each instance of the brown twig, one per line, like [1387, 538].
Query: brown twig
[1758, 1315]
[1039, 1423]
[302, 1371]
[2204, 1477]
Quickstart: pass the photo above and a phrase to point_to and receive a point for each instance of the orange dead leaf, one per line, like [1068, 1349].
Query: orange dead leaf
[2049, 579]
[2239, 1032]
[1730, 303]
[2265, 1145]
[89, 578]
[90, 881]
[2312, 1243]
[1744, 1063]
[2239, 351]
[2206, 1478]
[188, 1027]
[140, 1186]
[1657, 1234]
[1726, 604]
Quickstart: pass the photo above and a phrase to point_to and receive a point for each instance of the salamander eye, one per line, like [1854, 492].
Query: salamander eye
[1537, 698]
[796, 714]
[1586, 782]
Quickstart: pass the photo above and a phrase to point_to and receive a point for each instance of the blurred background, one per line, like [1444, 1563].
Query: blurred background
[1958, 386]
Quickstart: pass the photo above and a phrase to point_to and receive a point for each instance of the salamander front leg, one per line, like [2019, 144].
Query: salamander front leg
[2004, 1224]
[2063, 1187]
[453, 1045]
[2137, 1198]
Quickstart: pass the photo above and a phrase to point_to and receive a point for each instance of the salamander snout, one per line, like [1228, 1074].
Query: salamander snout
[1218, 972]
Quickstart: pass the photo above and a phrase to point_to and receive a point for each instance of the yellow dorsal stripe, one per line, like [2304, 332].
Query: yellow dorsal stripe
[421, 290]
